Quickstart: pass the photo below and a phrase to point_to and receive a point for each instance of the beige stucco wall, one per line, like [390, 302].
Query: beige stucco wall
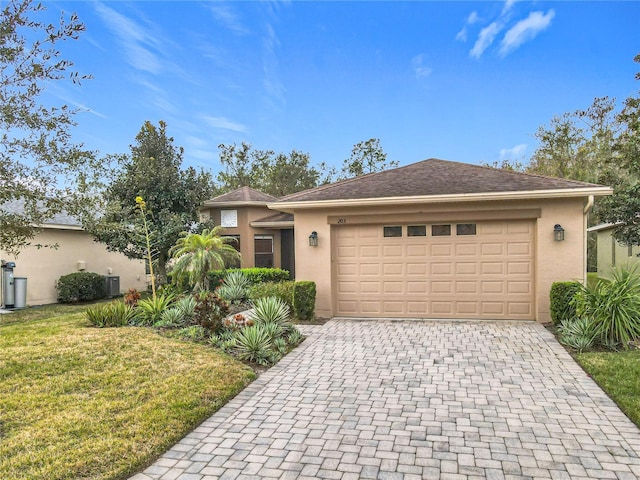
[44, 266]
[555, 261]
[246, 215]
[613, 254]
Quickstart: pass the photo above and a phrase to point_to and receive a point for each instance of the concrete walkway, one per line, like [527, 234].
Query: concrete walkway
[411, 400]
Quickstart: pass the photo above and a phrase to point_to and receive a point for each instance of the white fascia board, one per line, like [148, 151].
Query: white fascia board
[57, 226]
[454, 198]
[233, 204]
[274, 225]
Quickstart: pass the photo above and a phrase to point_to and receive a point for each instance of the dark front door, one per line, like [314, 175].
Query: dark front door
[287, 252]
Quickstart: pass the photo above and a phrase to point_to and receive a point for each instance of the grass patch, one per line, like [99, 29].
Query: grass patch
[83, 402]
[618, 373]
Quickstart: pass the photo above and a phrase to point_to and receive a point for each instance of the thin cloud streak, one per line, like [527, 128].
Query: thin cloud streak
[485, 39]
[224, 124]
[525, 30]
[133, 37]
[419, 68]
[228, 18]
[514, 152]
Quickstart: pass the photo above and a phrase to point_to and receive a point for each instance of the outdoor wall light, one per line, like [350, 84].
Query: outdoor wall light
[313, 239]
[558, 232]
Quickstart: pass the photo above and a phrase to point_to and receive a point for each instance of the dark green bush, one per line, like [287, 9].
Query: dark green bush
[81, 287]
[281, 290]
[255, 275]
[304, 300]
[562, 307]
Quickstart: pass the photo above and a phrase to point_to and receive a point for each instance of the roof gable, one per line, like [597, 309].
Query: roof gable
[241, 196]
[433, 177]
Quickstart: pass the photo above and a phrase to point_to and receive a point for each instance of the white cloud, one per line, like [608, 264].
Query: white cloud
[485, 39]
[135, 39]
[508, 4]
[471, 19]
[514, 152]
[525, 30]
[419, 68]
[224, 124]
[272, 83]
[228, 18]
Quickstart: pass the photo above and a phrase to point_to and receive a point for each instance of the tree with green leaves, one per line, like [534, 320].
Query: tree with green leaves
[276, 174]
[197, 254]
[366, 157]
[42, 172]
[172, 197]
[623, 208]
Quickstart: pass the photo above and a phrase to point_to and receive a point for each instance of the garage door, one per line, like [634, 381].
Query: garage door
[444, 270]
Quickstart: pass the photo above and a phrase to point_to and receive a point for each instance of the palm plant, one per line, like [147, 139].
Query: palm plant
[197, 254]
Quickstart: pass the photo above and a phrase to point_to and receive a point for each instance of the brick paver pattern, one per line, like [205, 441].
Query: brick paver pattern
[410, 400]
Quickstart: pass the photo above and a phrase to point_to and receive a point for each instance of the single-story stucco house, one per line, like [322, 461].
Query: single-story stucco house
[611, 253]
[76, 251]
[434, 239]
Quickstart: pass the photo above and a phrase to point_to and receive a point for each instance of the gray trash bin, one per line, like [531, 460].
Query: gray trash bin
[20, 292]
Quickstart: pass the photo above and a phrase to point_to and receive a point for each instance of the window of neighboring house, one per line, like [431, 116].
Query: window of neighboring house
[395, 231]
[417, 231]
[235, 244]
[630, 251]
[466, 229]
[147, 269]
[440, 230]
[263, 245]
[229, 218]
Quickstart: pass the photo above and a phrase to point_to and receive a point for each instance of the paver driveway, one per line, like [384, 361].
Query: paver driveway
[409, 399]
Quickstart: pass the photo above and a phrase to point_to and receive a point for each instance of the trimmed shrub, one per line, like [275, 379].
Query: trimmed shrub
[81, 287]
[255, 275]
[304, 300]
[281, 290]
[562, 305]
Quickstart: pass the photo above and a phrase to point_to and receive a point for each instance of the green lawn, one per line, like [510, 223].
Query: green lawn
[618, 373]
[83, 402]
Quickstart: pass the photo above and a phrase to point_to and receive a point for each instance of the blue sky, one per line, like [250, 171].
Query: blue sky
[465, 81]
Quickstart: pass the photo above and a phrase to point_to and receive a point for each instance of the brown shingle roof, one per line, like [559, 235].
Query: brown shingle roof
[278, 217]
[433, 177]
[242, 195]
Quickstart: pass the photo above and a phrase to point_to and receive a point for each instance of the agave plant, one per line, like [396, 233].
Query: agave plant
[187, 307]
[614, 306]
[172, 317]
[270, 310]
[254, 345]
[580, 333]
[235, 288]
[150, 309]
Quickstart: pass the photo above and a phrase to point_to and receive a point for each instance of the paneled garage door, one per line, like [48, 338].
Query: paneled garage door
[471, 270]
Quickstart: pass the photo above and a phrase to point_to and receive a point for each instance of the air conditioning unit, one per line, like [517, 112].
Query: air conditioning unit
[113, 286]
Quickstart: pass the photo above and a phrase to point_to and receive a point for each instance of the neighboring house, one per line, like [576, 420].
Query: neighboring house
[263, 238]
[76, 251]
[610, 252]
[435, 239]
